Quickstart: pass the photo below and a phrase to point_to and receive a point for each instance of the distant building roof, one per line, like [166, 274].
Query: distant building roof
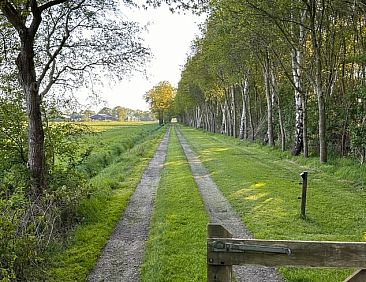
[102, 117]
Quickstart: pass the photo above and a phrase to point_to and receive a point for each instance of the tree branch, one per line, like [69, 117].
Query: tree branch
[51, 4]
[12, 15]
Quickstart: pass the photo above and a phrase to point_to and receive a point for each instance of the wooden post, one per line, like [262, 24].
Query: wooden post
[218, 273]
[304, 176]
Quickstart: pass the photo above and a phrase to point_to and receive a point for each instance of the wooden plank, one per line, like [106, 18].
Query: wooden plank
[303, 253]
[358, 276]
[218, 272]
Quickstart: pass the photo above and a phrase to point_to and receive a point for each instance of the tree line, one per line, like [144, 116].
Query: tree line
[118, 113]
[289, 73]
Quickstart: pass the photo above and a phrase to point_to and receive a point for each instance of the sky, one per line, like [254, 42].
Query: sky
[169, 37]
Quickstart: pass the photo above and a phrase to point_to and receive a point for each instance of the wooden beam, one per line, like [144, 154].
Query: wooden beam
[218, 272]
[358, 276]
[302, 253]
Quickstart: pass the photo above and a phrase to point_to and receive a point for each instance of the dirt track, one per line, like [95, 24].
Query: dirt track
[220, 211]
[122, 256]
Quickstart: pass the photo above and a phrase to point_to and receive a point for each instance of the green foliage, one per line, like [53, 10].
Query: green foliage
[358, 128]
[9, 247]
[161, 99]
[27, 228]
[15, 247]
[176, 248]
[359, 141]
[13, 133]
[106, 110]
[63, 143]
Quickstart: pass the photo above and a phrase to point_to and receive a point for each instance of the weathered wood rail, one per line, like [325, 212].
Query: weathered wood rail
[223, 252]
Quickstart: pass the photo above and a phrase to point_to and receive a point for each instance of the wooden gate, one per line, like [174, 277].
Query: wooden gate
[223, 252]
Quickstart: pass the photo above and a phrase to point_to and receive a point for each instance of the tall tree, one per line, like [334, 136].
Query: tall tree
[120, 113]
[61, 42]
[161, 98]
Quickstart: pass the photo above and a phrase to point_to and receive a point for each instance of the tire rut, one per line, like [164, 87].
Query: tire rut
[221, 212]
[122, 256]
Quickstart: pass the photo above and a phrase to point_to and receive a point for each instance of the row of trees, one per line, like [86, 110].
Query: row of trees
[287, 71]
[118, 113]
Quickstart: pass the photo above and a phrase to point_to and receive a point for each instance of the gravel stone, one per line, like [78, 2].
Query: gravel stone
[122, 256]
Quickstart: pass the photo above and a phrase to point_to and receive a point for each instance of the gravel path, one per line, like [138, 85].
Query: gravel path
[122, 256]
[220, 211]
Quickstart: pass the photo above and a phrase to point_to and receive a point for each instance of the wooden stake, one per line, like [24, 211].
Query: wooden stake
[220, 272]
[304, 177]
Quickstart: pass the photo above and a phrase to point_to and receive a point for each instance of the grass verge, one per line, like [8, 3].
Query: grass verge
[109, 143]
[263, 187]
[176, 248]
[99, 214]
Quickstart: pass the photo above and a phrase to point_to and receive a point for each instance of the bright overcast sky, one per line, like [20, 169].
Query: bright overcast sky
[169, 36]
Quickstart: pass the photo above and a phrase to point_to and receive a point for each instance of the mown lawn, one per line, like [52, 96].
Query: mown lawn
[262, 185]
[176, 247]
[112, 183]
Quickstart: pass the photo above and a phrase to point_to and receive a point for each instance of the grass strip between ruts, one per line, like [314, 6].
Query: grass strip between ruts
[263, 187]
[176, 248]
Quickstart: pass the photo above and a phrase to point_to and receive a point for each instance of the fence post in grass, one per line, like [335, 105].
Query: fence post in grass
[304, 176]
[218, 273]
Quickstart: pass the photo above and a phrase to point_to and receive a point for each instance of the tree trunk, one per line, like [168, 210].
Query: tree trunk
[296, 56]
[198, 117]
[28, 81]
[161, 119]
[276, 98]
[269, 101]
[243, 133]
[321, 107]
[316, 39]
[207, 117]
[305, 129]
[250, 116]
[322, 128]
[233, 110]
[228, 116]
[299, 104]
[223, 129]
[282, 128]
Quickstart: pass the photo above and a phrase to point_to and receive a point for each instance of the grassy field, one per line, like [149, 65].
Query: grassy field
[119, 156]
[110, 140]
[176, 248]
[262, 185]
